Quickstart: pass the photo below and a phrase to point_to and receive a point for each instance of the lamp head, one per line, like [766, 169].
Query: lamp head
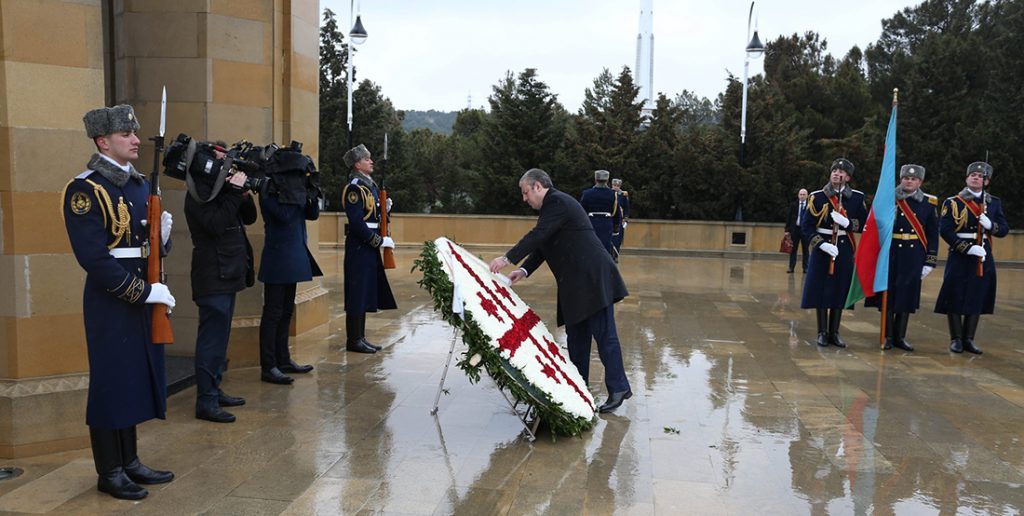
[755, 48]
[358, 33]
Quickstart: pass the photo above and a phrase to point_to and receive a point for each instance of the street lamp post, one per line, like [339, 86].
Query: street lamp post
[355, 37]
[754, 50]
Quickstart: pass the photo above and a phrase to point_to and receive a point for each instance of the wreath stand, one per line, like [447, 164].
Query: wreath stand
[524, 416]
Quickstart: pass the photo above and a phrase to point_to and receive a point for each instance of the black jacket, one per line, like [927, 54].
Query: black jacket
[222, 260]
[791, 226]
[587, 278]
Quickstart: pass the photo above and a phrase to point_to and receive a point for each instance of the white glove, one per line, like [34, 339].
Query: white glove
[390, 203]
[830, 249]
[926, 270]
[160, 294]
[624, 224]
[977, 250]
[165, 227]
[840, 219]
[387, 242]
[985, 221]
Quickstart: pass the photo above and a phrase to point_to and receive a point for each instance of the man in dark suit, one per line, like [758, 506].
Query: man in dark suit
[588, 281]
[797, 211]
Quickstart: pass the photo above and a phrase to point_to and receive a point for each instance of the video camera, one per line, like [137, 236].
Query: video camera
[271, 170]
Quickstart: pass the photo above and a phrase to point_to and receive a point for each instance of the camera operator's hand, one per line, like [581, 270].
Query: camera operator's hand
[237, 179]
[387, 242]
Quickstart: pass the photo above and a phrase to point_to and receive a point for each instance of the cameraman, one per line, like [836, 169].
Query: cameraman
[222, 265]
[289, 201]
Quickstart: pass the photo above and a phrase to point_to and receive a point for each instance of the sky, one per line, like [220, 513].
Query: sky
[448, 54]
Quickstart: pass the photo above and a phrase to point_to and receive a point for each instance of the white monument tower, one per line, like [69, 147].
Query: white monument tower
[644, 71]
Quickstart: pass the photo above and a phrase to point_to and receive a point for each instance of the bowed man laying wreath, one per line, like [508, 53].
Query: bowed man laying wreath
[505, 338]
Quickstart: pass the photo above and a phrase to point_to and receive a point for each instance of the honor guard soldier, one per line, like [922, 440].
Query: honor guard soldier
[366, 285]
[619, 231]
[104, 211]
[835, 214]
[601, 204]
[968, 222]
[913, 254]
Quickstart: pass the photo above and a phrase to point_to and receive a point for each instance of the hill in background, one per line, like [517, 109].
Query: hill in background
[437, 121]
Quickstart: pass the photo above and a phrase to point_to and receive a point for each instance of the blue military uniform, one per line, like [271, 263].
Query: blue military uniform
[914, 246]
[963, 292]
[619, 229]
[103, 213]
[823, 291]
[602, 206]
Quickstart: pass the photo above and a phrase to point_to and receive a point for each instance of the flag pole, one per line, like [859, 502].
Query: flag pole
[885, 293]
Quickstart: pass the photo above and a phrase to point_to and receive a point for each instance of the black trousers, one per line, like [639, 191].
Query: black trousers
[278, 306]
[215, 312]
[798, 242]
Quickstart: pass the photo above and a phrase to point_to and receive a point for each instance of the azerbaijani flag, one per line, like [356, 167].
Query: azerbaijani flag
[871, 263]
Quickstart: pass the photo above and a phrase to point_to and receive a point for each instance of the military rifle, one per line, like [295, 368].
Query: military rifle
[161, 327]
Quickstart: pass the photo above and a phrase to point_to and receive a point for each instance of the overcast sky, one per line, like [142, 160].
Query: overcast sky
[434, 54]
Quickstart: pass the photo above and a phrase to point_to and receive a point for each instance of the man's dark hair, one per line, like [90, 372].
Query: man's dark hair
[536, 175]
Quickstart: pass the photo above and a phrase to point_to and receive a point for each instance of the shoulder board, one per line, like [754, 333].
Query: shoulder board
[85, 174]
[355, 181]
[857, 191]
[932, 199]
[816, 192]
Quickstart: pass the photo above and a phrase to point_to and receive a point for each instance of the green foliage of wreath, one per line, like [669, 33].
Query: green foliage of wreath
[436, 282]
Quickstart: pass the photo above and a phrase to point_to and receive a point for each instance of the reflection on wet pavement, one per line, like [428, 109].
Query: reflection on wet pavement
[736, 412]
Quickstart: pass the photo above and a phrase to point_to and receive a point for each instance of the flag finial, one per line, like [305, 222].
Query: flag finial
[895, 94]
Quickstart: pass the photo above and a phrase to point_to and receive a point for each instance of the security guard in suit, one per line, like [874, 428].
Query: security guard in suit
[366, 285]
[968, 222]
[104, 211]
[913, 254]
[602, 206]
[835, 214]
[619, 230]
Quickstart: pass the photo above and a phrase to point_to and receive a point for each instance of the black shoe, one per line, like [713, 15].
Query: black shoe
[117, 484]
[614, 401]
[292, 367]
[143, 474]
[838, 341]
[956, 346]
[888, 344]
[217, 415]
[970, 347]
[359, 346]
[904, 345]
[274, 375]
[370, 344]
[229, 401]
[790, 271]
[822, 340]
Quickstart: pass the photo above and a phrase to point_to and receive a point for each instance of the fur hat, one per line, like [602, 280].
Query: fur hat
[980, 166]
[842, 164]
[912, 171]
[355, 154]
[616, 182]
[109, 120]
[601, 175]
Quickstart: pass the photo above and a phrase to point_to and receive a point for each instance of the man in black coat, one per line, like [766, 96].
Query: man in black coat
[222, 266]
[588, 281]
[797, 211]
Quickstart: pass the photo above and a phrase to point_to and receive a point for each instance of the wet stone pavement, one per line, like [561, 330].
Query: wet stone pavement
[735, 411]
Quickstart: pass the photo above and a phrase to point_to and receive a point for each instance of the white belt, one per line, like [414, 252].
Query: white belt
[372, 225]
[130, 252]
[599, 214]
[828, 232]
[971, 236]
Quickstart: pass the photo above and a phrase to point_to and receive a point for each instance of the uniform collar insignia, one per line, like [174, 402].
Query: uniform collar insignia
[112, 172]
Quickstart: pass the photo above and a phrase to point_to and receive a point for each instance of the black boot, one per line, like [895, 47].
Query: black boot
[971, 326]
[956, 333]
[900, 322]
[362, 334]
[890, 331]
[353, 340]
[822, 314]
[834, 317]
[106, 453]
[136, 470]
